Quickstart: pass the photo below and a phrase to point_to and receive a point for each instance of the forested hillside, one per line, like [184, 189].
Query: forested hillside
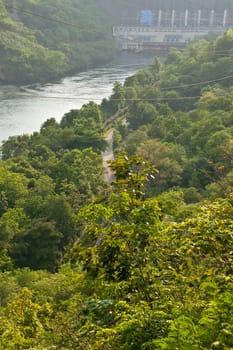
[43, 40]
[182, 111]
[143, 263]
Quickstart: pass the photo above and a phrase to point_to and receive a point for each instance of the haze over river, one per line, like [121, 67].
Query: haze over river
[24, 109]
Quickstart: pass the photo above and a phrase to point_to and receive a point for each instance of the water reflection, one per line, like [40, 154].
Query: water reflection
[24, 109]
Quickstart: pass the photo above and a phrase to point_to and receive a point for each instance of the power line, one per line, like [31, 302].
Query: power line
[50, 6]
[198, 83]
[140, 99]
[212, 50]
[49, 19]
[180, 98]
[74, 25]
[162, 89]
[43, 97]
[61, 21]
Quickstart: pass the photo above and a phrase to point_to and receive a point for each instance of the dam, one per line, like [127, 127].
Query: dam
[162, 30]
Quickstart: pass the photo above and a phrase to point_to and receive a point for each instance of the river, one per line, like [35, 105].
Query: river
[24, 109]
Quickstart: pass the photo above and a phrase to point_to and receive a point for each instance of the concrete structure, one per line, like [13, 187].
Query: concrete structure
[169, 30]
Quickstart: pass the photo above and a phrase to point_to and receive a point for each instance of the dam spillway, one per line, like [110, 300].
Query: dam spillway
[165, 30]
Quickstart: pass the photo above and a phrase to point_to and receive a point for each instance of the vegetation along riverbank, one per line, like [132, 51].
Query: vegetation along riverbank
[144, 262]
[44, 40]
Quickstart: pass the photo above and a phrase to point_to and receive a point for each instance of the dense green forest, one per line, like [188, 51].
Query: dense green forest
[144, 262]
[44, 40]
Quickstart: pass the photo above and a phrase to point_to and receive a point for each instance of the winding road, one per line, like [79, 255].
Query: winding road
[108, 155]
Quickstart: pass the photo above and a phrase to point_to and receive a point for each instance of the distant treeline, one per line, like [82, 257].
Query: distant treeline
[44, 40]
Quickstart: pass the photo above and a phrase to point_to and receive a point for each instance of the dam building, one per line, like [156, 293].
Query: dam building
[162, 30]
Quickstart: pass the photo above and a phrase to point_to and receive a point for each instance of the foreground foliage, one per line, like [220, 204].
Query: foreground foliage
[145, 262]
[133, 282]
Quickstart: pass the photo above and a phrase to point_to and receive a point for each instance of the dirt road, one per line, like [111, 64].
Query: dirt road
[108, 155]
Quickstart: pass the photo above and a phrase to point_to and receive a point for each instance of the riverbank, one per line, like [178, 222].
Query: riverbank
[44, 42]
[24, 109]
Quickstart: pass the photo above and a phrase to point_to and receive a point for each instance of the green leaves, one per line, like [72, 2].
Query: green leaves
[48, 40]
[141, 273]
[23, 323]
[136, 281]
[132, 174]
[114, 232]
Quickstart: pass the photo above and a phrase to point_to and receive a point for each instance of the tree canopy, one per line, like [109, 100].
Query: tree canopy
[44, 40]
[142, 263]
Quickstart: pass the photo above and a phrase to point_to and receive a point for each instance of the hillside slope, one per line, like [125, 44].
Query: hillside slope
[146, 262]
[40, 41]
